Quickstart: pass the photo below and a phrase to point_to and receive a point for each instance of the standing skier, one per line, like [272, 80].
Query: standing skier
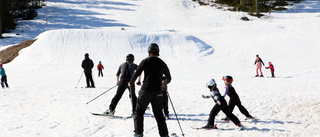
[3, 77]
[259, 63]
[271, 67]
[234, 98]
[126, 70]
[87, 65]
[154, 68]
[100, 67]
[221, 104]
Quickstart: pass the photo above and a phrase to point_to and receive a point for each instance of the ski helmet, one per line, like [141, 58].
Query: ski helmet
[130, 57]
[227, 78]
[86, 55]
[154, 48]
[211, 83]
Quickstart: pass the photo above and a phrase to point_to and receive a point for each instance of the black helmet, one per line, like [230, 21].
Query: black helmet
[227, 78]
[153, 48]
[86, 55]
[130, 57]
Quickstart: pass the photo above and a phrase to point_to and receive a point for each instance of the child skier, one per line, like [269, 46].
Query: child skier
[221, 104]
[271, 69]
[100, 67]
[3, 77]
[234, 98]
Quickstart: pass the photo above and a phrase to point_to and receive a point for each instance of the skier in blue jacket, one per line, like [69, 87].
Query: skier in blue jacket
[3, 77]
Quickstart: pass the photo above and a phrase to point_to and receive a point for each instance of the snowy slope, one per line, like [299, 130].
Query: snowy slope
[198, 43]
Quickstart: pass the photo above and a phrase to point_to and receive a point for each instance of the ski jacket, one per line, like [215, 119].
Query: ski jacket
[87, 64]
[154, 68]
[100, 67]
[217, 98]
[258, 61]
[231, 92]
[126, 70]
[270, 67]
[2, 72]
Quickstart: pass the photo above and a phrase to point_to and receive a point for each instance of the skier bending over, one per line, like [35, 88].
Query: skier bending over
[234, 98]
[221, 104]
[271, 67]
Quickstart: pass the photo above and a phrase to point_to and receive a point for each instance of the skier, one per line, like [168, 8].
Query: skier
[3, 77]
[164, 88]
[87, 65]
[221, 104]
[259, 63]
[234, 98]
[154, 68]
[271, 67]
[100, 67]
[126, 70]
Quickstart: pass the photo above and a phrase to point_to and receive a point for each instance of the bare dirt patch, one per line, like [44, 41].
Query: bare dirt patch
[8, 54]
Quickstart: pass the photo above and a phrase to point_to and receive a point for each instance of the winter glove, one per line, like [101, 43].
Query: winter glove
[139, 83]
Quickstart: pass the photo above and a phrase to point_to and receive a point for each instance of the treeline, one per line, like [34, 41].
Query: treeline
[253, 6]
[11, 10]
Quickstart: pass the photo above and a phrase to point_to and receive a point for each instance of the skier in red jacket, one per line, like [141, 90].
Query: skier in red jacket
[100, 67]
[271, 67]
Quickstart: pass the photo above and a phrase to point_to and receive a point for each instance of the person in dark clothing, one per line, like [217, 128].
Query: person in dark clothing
[87, 65]
[271, 67]
[100, 68]
[164, 88]
[154, 68]
[221, 104]
[234, 98]
[124, 73]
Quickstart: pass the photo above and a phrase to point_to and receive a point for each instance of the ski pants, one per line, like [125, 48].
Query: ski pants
[100, 73]
[236, 102]
[4, 81]
[89, 79]
[165, 102]
[121, 88]
[259, 69]
[156, 100]
[216, 109]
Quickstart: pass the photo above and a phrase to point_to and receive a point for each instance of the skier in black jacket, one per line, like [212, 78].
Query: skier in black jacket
[124, 73]
[154, 68]
[221, 104]
[234, 98]
[87, 65]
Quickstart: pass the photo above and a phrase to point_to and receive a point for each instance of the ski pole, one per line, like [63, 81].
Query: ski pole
[79, 79]
[101, 94]
[175, 112]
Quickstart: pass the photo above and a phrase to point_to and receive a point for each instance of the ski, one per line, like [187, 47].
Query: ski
[112, 116]
[201, 128]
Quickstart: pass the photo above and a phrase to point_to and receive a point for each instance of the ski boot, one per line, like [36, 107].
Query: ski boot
[249, 118]
[138, 135]
[109, 112]
[210, 126]
[239, 126]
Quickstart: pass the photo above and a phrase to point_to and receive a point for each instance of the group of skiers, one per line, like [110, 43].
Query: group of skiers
[259, 64]
[154, 90]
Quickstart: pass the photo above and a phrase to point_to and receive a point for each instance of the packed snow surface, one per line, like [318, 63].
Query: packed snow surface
[198, 43]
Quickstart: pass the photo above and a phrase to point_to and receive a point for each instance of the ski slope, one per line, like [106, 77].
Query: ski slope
[197, 43]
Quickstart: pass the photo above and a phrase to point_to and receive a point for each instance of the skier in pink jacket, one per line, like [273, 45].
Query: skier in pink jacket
[259, 63]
